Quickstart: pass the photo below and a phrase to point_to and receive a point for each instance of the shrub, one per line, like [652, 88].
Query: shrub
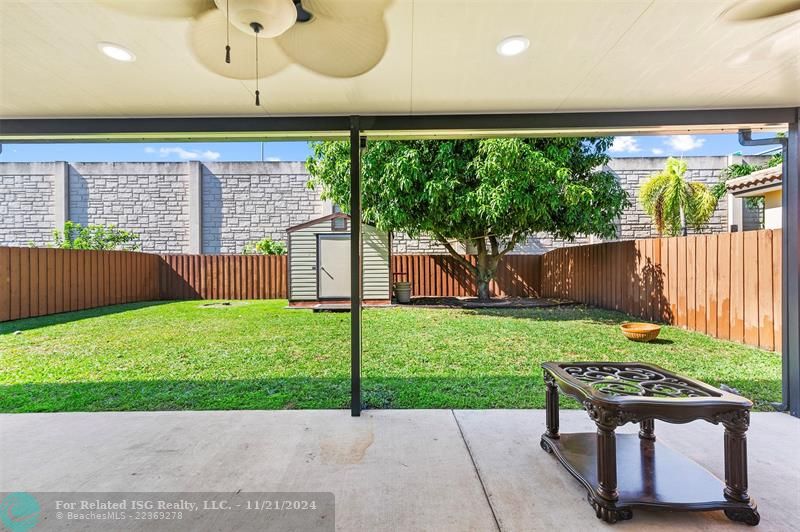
[265, 246]
[98, 237]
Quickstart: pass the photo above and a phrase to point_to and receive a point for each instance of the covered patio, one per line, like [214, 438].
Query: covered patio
[420, 470]
[388, 470]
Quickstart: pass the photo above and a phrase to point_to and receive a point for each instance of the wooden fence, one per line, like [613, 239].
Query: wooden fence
[38, 281]
[223, 277]
[443, 275]
[726, 285]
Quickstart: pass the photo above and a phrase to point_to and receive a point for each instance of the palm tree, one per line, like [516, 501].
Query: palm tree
[675, 203]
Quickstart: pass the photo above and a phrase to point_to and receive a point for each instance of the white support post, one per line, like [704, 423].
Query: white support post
[61, 194]
[195, 207]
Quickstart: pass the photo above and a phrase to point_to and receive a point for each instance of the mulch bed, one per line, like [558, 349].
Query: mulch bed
[475, 303]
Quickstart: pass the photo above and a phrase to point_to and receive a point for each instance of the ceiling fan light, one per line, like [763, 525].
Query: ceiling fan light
[275, 16]
[116, 52]
[514, 45]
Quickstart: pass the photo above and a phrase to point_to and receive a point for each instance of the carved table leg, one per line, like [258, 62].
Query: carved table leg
[647, 429]
[551, 409]
[607, 463]
[607, 494]
[551, 403]
[736, 471]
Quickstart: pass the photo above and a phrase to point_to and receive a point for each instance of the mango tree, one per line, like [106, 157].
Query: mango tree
[489, 195]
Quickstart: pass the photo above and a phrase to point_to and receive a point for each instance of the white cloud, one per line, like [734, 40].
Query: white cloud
[658, 151]
[273, 159]
[625, 145]
[683, 143]
[185, 154]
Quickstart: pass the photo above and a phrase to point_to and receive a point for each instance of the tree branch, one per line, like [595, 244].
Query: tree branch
[513, 241]
[494, 244]
[461, 260]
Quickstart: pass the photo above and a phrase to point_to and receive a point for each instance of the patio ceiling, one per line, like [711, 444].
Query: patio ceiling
[584, 55]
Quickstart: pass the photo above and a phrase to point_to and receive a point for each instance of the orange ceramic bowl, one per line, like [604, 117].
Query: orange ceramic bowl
[640, 332]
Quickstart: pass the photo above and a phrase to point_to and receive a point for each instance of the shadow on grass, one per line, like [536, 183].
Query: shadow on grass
[503, 391]
[562, 313]
[27, 324]
[661, 341]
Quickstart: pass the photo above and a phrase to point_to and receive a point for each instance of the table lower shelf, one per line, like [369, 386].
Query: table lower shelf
[649, 475]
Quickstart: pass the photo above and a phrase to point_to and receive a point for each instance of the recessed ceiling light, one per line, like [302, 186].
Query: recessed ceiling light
[116, 52]
[513, 45]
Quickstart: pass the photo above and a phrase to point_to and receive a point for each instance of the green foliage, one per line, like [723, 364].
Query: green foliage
[97, 237]
[265, 246]
[675, 203]
[490, 194]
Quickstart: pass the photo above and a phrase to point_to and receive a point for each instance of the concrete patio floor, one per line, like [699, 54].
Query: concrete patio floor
[435, 470]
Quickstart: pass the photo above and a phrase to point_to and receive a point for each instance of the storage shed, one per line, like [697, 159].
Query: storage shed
[319, 262]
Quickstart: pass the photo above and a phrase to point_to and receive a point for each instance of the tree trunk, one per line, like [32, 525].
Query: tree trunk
[486, 266]
[483, 290]
[684, 232]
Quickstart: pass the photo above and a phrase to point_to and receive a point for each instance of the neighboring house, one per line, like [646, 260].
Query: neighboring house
[218, 207]
[766, 183]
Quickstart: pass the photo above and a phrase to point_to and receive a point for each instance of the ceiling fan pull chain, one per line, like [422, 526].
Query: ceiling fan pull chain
[227, 32]
[256, 29]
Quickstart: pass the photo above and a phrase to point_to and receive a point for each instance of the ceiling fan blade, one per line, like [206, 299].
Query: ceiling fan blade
[335, 48]
[161, 8]
[758, 9]
[346, 10]
[207, 39]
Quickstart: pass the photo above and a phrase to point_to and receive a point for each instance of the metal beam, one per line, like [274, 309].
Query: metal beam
[355, 267]
[790, 281]
[300, 127]
[598, 121]
[153, 129]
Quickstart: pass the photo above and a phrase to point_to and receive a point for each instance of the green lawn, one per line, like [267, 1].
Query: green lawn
[259, 355]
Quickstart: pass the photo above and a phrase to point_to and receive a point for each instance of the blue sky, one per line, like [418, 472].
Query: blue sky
[642, 146]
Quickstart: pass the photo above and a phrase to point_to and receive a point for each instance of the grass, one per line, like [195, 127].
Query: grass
[258, 355]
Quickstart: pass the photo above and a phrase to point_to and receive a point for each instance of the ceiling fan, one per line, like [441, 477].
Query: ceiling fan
[760, 9]
[781, 43]
[251, 39]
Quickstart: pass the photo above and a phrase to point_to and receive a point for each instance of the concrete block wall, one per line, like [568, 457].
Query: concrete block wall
[244, 202]
[27, 204]
[218, 207]
[632, 172]
[150, 199]
[175, 207]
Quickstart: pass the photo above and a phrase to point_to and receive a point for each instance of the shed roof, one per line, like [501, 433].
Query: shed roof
[759, 181]
[315, 221]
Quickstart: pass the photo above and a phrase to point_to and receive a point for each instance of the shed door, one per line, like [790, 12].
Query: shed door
[333, 277]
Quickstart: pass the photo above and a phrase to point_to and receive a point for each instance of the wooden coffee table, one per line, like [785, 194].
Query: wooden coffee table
[627, 471]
